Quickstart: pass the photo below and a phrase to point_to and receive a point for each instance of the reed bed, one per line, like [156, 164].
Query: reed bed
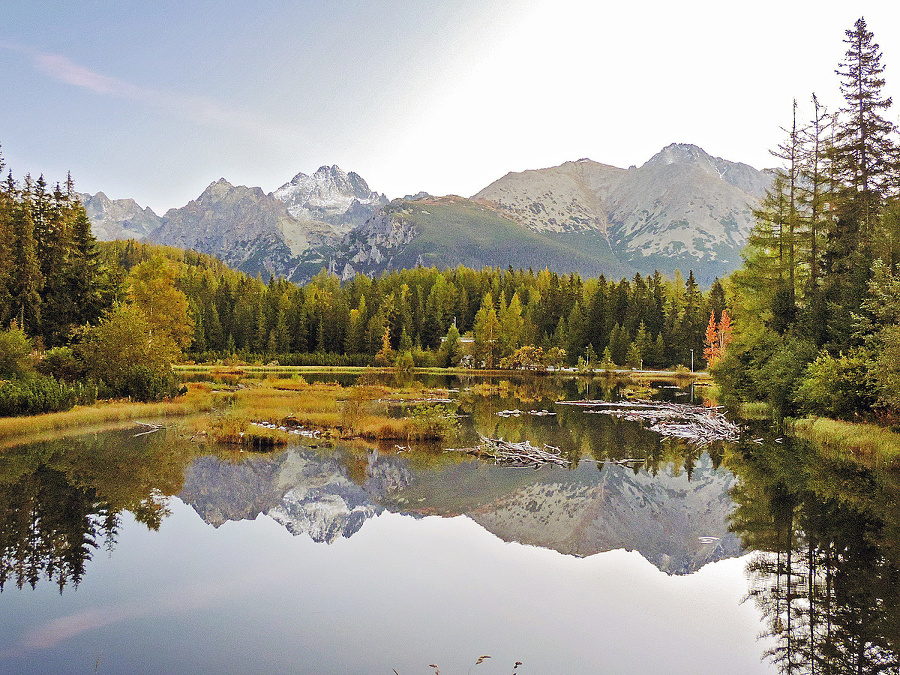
[198, 399]
[328, 408]
[755, 410]
[868, 443]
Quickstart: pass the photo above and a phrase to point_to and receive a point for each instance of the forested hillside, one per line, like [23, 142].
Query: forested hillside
[817, 302]
[651, 318]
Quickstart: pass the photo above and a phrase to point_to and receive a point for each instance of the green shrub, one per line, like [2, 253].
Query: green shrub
[836, 387]
[422, 358]
[432, 422]
[404, 362]
[35, 395]
[779, 377]
[15, 352]
[141, 383]
[61, 363]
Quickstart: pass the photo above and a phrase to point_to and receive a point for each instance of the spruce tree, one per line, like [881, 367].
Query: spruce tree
[865, 165]
[865, 153]
[27, 281]
[7, 202]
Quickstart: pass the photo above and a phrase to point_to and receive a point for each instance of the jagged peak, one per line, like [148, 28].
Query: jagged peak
[333, 170]
[219, 183]
[216, 189]
[680, 153]
[329, 187]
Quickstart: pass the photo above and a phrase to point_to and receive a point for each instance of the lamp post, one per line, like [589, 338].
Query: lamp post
[692, 360]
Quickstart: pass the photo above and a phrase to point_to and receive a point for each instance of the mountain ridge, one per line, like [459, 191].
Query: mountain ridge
[682, 208]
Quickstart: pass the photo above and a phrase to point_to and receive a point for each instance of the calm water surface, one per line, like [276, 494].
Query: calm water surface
[148, 554]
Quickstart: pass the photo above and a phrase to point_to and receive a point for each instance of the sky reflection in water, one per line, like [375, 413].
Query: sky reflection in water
[401, 593]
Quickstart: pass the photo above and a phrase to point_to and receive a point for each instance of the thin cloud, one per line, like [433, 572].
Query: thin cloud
[197, 109]
[61, 68]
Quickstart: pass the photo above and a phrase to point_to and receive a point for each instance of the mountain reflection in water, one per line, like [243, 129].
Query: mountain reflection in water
[307, 492]
[678, 524]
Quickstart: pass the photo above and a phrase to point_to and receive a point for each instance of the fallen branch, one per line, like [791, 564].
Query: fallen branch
[151, 428]
[522, 454]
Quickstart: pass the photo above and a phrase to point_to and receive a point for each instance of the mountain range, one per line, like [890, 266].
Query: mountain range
[676, 521]
[681, 209]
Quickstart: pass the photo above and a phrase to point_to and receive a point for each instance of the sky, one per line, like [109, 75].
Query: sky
[155, 100]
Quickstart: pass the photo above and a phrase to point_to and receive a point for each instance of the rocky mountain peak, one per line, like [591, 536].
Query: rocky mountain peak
[118, 218]
[328, 187]
[332, 196]
[681, 153]
[215, 191]
[333, 172]
[738, 174]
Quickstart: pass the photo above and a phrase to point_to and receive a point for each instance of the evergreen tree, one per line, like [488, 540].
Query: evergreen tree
[865, 153]
[618, 344]
[27, 281]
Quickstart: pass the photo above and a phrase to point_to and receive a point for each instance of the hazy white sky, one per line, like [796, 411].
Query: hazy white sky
[155, 100]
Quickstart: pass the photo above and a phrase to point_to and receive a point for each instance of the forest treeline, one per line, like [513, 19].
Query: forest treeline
[816, 306]
[817, 302]
[650, 319]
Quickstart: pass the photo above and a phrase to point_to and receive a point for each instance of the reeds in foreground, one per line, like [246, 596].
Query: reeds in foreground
[868, 443]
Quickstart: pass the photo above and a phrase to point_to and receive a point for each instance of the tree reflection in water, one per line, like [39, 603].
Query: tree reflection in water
[61, 500]
[827, 532]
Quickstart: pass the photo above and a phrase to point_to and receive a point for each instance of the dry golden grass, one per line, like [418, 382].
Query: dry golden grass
[345, 412]
[106, 414]
[382, 428]
[288, 383]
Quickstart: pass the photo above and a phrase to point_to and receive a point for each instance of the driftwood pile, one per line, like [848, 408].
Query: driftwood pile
[522, 454]
[693, 423]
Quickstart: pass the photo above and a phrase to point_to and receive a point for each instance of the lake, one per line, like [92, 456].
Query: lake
[127, 552]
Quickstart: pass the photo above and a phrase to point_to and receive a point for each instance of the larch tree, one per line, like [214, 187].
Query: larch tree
[815, 180]
[789, 152]
[153, 290]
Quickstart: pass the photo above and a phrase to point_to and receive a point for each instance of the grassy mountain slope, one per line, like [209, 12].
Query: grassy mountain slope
[449, 231]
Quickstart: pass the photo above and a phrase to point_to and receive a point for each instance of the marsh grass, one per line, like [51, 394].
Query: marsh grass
[868, 443]
[106, 414]
[339, 412]
[755, 410]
